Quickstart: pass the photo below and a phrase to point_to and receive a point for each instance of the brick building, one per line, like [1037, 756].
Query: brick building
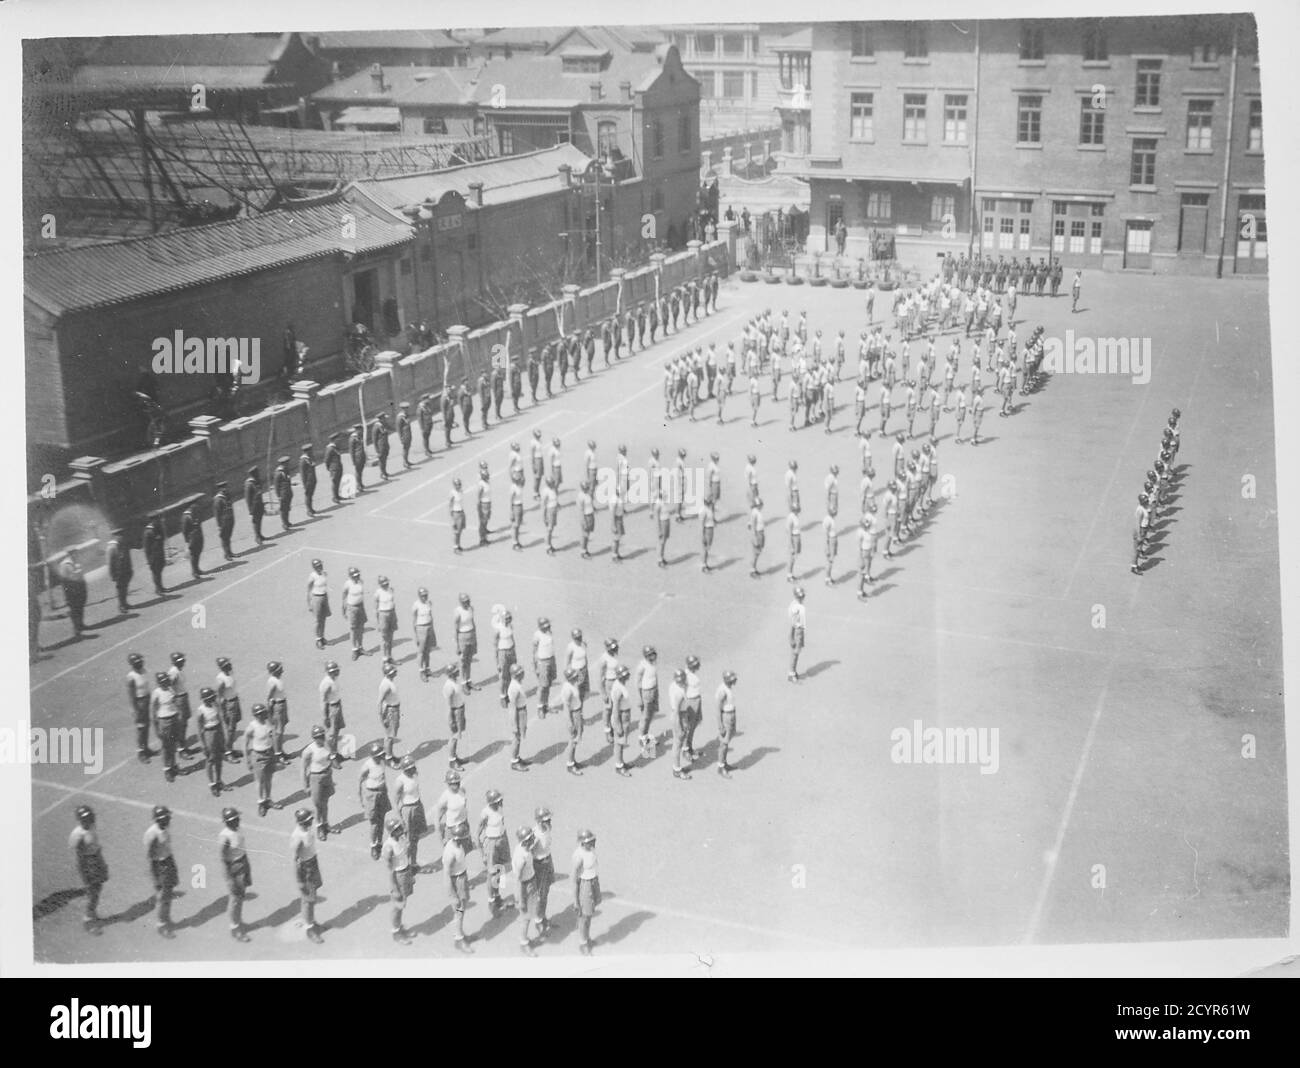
[1120, 142]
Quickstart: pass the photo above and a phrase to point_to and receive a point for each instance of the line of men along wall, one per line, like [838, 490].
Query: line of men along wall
[126, 493]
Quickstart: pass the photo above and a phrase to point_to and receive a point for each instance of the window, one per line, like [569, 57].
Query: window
[733, 84]
[1031, 41]
[657, 139]
[1094, 43]
[708, 90]
[914, 42]
[506, 140]
[684, 131]
[879, 205]
[753, 85]
[1200, 119]
[606, 138]
[1058, 233]
[733, 44]
[1026, 206]
[657, 200]
[954, 118]
[1142, 171]
[705, 44]
[1058, 207]
[941, 206]
[1029, 120]
[1147, 94]
[1078, 229]
[913, 116]
[434, 126]
[580, 64]
[1255, 127]
[1205, 55]
[987, 240]
[1094, 241]
[860, 45]
[480, 126]
[1097, 211]
[861, 117]
[1092, 123]
[1024, 234]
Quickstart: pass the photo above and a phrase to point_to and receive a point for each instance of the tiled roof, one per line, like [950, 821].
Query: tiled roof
[506, 179]
[360, 87]
[181, 50]
[534, 78]
[97, 275]
[417, 40]
[524, 36]
[173, 76]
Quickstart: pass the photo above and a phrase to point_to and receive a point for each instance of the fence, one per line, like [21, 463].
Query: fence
[105, 494]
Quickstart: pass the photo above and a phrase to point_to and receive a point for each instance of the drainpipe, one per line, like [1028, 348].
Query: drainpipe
[974, 146]
[1227, 155]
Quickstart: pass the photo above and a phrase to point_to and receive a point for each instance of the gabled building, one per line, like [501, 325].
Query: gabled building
[511, 41]
[736, 66]
[637, 112]
[349, 51]
[367, 99]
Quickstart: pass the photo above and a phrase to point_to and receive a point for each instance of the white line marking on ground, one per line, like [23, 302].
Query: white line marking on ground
[167, 619]
[620, 901]
[98, 778]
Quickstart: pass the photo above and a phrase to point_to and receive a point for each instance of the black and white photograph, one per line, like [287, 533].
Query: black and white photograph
[705, 497]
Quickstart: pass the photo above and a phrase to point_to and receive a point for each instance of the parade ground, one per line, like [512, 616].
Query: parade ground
[1135, 781]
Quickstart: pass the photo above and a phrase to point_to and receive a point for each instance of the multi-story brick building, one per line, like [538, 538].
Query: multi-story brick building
[1121, 142]
[737, 67]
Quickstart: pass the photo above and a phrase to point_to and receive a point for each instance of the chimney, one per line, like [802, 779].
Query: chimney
[597, 92]
[476, 191]
[626, 89]
[566, 176]
[377, 77]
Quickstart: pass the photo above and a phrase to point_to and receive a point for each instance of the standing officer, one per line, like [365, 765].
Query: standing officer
[498, 391]
[192, 533]
[404, 432]
[534, 373]
[75, 592]
[544, 664]
[484, 504]
[548, 371]
[386, 615]
[307, 476]
[426, 639]
[162, 866]
[516, 385]
[726, 698]
[259, 752]
[410, 809]
[176, 676]
[354, 608]
[91, 866]
[571, 702]
[119, 567]
[448, 413]
[526, 874]
[223, 512]
[550, 513]
[798, 626]
[647, 680]
[318, 600]
[757, 535]
[453, 692]
[466, 637]
[456, 504]
[379, 432]
[253, 500]
[334, 465]
[228, 702]
[372, 789]
[212, 737]
[401, 872]
[681, 722]
[506, 657]
[155, 552]
[543, 863]
[307, 869]
[318, 778]
[494, 845]
[390, 710]
[137, 693]
[484, 398]
[331, 708]
[516, 702]
[621, 705]
[455, 863]
[424, 416]
[278, 704]
[357, 450]
[586, 888]
[708, 524]
[238, 871]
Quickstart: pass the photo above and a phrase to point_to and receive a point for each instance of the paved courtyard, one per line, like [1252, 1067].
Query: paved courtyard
[1122, 808]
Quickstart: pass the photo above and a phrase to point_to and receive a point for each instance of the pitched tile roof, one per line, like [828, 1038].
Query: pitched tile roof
[506, 179]
[417, 40]
[360, 87]
[93, 276]
[534, 79]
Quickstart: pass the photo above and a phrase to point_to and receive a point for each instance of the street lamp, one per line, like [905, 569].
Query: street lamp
[597, 168]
